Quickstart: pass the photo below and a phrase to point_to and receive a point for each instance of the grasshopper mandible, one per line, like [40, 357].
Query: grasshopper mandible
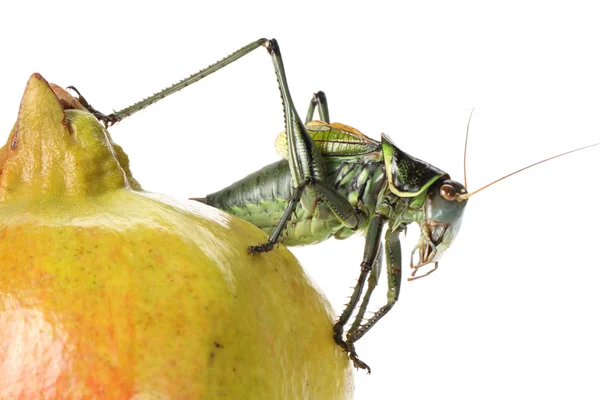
[334, 181]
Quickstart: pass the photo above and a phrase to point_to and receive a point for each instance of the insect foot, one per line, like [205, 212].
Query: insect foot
[107, 120]
[358, 364]
[261, 248]
[348, 347]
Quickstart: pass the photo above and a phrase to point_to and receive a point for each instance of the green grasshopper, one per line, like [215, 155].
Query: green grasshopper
[333, 181]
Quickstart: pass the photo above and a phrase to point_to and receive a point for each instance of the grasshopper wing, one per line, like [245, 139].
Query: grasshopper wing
[333, 140]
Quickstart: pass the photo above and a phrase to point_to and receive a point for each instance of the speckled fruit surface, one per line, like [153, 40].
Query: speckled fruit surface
[107, 291]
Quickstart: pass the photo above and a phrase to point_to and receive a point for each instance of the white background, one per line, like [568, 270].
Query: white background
[513, 310]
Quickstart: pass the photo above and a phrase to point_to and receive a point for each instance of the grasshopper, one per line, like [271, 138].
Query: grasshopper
[333, 181]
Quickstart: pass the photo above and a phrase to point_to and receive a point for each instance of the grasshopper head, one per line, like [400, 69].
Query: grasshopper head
[434, 201]
[442, 216]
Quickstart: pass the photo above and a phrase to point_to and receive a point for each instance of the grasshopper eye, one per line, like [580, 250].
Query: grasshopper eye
[448, 192]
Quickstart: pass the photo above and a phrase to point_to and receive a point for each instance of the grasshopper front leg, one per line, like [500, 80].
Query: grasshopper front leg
[393, 254]
[368, 267]
[371, 267]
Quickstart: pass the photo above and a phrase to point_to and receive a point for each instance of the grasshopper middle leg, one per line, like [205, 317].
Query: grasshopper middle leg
[320, 102]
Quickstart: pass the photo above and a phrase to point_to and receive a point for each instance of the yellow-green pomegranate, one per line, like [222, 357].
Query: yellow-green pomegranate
[107, 291]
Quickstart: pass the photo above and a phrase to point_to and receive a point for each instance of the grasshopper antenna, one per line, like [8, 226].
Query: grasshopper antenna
[465, 151]
[467, 195]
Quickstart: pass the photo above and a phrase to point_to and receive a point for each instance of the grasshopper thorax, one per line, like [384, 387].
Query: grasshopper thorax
[407, 176]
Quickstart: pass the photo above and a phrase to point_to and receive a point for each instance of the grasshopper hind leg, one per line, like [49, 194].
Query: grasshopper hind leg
[319, 103]
[307, 166]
